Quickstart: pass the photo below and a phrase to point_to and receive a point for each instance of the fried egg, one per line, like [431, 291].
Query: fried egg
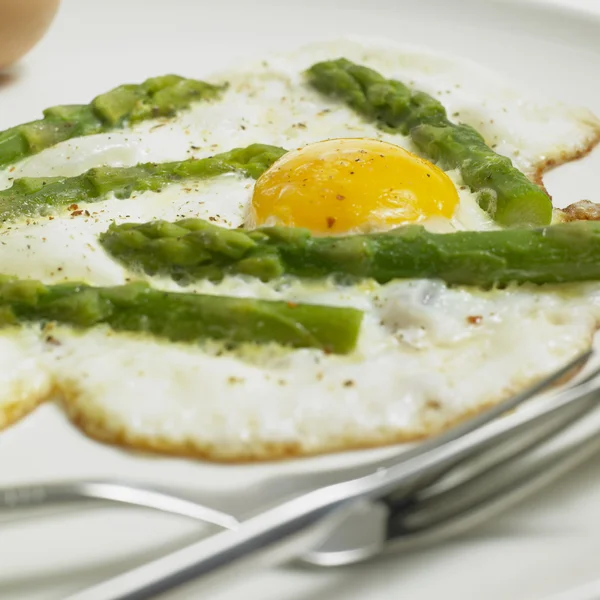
[428, 355]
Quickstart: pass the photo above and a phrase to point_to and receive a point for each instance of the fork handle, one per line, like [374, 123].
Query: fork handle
[271, 538]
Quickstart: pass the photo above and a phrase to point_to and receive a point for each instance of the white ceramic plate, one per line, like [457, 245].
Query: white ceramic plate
[546, 546]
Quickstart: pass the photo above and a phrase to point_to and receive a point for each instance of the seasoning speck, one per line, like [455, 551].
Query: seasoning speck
[52, 341]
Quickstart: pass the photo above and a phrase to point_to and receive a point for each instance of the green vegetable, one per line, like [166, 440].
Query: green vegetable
[181, 317]
[156, 97]
[504, 192]
[194, 249]
[30, 196]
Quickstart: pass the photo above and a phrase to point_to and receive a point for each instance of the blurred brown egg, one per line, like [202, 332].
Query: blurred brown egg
[22, 24]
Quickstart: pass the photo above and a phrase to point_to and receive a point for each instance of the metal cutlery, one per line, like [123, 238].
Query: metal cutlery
[439, 488]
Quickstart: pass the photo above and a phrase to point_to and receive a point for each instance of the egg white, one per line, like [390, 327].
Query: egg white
[427, 355]
[25, 377]
[269, 101]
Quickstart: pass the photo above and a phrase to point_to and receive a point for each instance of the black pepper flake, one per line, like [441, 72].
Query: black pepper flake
[348, 383]
[340, 197]
[331, 222]
[52, 341]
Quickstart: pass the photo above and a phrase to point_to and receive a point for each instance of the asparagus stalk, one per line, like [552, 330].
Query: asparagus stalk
[156, 97]
[504, 192]
[179, 317]
[193, 249]
[32, 196]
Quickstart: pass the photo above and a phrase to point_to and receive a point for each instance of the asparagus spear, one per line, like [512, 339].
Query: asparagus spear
[504, 192]
[30, 196]
[156, 97]
[192, 249]
[181, 317]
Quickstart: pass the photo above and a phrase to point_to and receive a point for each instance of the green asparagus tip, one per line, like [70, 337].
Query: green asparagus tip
[156, 97]
[193, 249]
[181, 317]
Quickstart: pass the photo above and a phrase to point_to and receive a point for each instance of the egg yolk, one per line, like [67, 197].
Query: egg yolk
[345, 185]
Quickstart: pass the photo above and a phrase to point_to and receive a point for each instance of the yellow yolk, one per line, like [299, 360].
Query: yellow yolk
[343, 185]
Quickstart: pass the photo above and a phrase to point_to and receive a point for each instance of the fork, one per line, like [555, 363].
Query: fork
[433, 491]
